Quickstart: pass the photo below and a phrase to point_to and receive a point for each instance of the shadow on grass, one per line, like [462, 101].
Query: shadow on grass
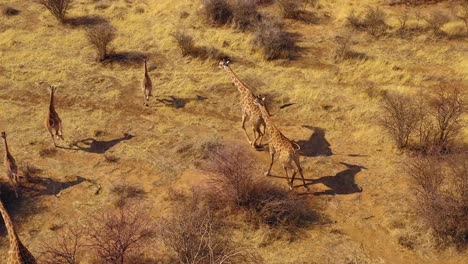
[97, 146]
[85, 21]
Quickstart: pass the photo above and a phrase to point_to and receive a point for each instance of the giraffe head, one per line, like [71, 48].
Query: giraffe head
[260, 100]
[4, 134]
[224, 63]
[52, 89]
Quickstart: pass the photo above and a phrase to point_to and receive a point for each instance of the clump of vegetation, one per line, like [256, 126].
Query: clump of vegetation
[217, 12]
[234, 185]
[273, 41]
[125, 192]
[194, 235]
[400, 118]
[297, 10]
[436, 20]
[100, 37]
[187, 46]
[344, 50]
[58, 8]
[65, 248]
[441, 189]
[114, 234]
[429, 123]
[372, 21]
[245, 15]
[10, 11]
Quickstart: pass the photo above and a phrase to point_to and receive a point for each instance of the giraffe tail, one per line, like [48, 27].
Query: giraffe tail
[297, 147]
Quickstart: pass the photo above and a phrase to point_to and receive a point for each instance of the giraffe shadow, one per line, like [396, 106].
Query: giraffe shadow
[97, 146]
[37, 186]
[316, 145]
[344, 182]
[178, 102]
[341, 183]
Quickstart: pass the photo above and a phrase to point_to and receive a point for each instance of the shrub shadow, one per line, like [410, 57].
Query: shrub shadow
[85, 21]
[131, 58]
[178, 102]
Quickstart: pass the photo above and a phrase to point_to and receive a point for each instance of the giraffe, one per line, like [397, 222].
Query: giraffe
[250, 110]
[18, 253]
[147, 86]
[53, 122]
[288, 150]
[10, 166]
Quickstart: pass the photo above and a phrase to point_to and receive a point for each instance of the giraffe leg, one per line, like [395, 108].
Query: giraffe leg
[272, 155]
[256, 136]
[244, 118]
[287, 178]
[299, 168]
[52, 136]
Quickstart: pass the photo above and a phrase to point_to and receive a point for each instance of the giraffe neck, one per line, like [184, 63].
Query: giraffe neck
[269, 124]
[51, 106]
[146, 69]
[239, 84]
[6, 146]
[12, 236]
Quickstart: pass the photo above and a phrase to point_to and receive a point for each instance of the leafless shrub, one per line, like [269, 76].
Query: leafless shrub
[343, 50]
[125, 191]
[185, 43]
[10, 11]
[111, 158]
[462, 13]
[441, 189]
[273, 41]
[194, 235]
[436, 20]
[187, 46]
[245, 15]
[234, 185]
[116, 233]
[65, 247]
[297, 10]
[400, 118]
[448, 107]
[403, 19]
[217, 12]
[372, 21]
[100, 36]
[58, 8]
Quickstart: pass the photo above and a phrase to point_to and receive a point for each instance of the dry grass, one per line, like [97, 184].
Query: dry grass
[170, 141]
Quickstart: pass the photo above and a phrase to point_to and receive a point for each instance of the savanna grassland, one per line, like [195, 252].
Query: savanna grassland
[116, 149]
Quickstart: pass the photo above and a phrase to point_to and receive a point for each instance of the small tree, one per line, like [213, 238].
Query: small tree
[436, 20]
[400, 118]
[64, 248]
[58, 8]
[115, 233]
[100, 37]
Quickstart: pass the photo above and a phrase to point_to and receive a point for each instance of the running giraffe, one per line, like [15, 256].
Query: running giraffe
[10, 166]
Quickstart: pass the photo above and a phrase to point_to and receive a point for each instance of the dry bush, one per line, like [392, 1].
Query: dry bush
[234, 185]
[185, 43]
[116, 233]
[273, 41]
[289, 8]
[125, 192]
[462, 13]
[436, 20]
[372, 21]
[65, 247]
[431, 122]
[100, 37]
[10, 11]
[441, 190]
[194, 235]
[217, 12]
[447, 107]
[58, 8]
[400, 118]
[187, 46]
[245, 15]
[343, 50]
